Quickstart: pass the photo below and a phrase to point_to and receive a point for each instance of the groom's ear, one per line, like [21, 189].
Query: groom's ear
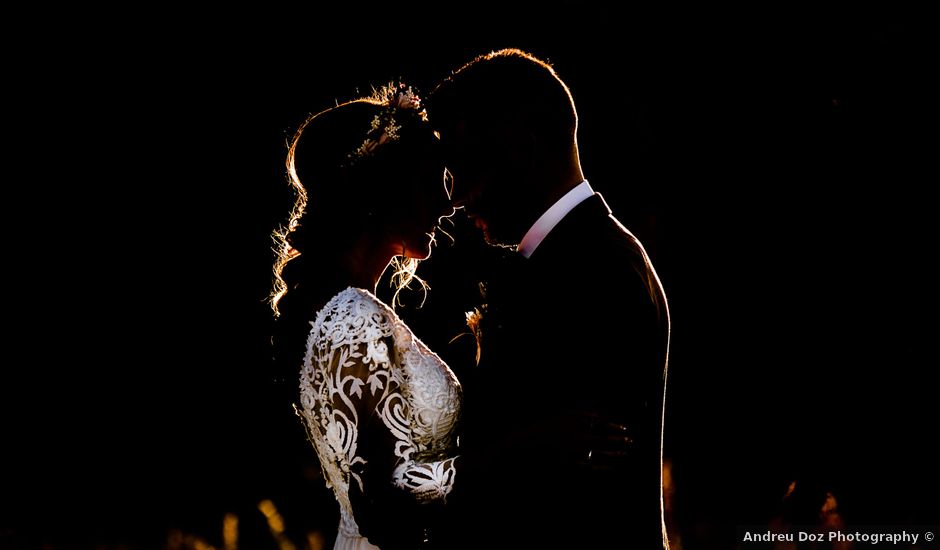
[523, 144]
[533, 150]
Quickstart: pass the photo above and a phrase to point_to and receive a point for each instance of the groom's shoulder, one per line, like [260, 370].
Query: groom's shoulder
[603, 238]
[591, 243]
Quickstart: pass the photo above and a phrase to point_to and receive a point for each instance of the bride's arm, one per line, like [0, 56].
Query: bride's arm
[387, 428]
[390, 478]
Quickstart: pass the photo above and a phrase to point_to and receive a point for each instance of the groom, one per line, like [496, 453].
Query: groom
[574, 335]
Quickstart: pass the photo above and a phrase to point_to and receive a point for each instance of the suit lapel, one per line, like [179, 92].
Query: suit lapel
[564, 239]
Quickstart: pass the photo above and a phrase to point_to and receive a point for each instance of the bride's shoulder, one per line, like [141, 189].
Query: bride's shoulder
[356, 301]
[363, 296]
[351, 316]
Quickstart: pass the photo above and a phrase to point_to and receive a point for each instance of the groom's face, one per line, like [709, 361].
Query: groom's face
[472, 161]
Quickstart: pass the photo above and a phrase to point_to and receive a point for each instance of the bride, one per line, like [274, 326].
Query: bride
[380, 408]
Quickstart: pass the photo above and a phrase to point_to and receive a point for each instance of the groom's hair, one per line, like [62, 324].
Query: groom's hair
[508, 86]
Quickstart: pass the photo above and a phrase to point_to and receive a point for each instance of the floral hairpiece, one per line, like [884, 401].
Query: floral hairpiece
[402, 106]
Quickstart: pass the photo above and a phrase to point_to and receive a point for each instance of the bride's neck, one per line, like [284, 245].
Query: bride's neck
[360, 265]
[365, 262]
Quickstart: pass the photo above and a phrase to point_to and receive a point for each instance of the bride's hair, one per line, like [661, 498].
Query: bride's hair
[342, 164]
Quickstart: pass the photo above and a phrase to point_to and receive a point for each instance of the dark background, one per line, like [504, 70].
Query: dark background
[776, 165]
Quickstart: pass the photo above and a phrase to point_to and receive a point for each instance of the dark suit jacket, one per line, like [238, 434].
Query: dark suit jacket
[580, 326]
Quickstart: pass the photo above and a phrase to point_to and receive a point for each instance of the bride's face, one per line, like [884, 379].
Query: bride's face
[421, 202]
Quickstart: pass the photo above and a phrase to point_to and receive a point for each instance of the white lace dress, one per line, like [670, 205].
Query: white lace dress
[365, 370]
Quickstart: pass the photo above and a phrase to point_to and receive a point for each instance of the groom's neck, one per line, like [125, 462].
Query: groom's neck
[547, 187]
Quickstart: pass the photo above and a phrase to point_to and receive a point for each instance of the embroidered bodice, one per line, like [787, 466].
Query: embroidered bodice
[365, 372]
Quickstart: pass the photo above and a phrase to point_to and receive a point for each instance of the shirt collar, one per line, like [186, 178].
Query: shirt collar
[540, 229]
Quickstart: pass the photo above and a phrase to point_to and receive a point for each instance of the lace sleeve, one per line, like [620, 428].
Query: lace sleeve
[427, 481]
[341, 387]
[359, 393]
[432, 392]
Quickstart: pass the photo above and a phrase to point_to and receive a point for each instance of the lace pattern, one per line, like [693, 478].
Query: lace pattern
[362, 359]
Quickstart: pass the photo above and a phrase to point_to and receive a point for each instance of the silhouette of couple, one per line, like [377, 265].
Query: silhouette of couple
[555, 438]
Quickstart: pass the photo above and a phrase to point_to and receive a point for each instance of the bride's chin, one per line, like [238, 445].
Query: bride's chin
[419, 254]
[419, 250]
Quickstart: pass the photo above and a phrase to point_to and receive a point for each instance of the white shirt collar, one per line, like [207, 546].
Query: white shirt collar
[540, 229]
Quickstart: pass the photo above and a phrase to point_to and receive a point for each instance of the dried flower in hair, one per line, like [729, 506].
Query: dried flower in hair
[402, 107]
